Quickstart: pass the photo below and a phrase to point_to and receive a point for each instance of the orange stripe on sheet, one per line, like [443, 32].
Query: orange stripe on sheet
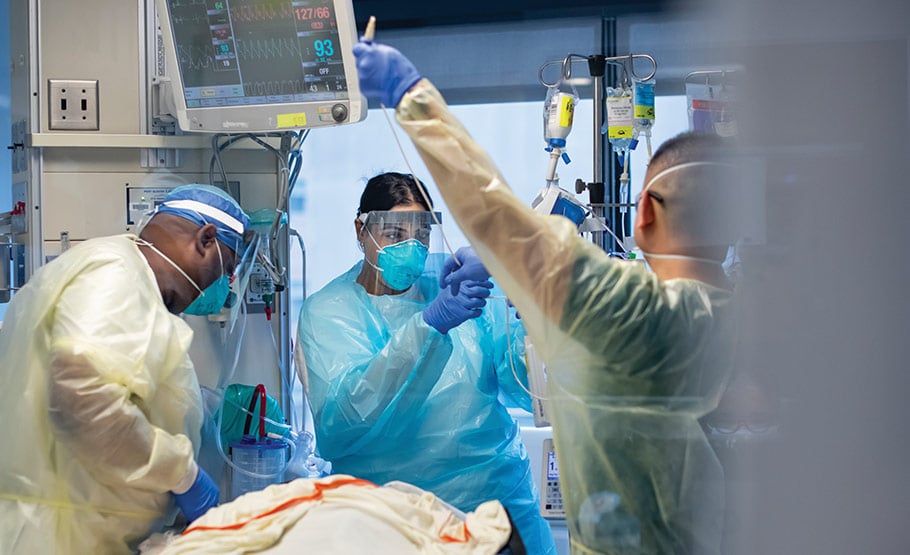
[450, 539]
[288, 504]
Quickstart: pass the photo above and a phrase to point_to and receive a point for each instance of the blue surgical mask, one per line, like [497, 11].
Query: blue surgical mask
[402, 263]
[212, 300]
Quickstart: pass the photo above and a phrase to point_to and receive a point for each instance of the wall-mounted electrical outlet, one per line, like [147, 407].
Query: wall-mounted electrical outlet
[73, 104]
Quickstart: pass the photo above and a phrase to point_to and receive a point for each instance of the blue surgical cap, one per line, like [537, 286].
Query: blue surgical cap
[204, 204]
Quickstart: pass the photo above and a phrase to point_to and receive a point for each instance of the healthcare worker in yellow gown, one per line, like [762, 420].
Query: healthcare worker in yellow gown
[102, 410]
[634, 356]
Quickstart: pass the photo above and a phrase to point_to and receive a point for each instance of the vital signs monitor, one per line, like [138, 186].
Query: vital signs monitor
[243, 66]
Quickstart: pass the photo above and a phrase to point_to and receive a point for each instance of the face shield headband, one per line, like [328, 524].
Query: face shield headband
[660, 175]
[230, 230]
[417, 217]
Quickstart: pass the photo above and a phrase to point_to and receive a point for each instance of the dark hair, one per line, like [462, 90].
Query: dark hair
[388, 190]
[690, 146]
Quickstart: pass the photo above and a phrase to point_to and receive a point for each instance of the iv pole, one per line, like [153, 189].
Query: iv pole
[597, 68]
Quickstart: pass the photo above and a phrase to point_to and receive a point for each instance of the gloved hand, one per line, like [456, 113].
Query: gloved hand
[202, 496]
[384, 72]
[467, 267]
[448, 311]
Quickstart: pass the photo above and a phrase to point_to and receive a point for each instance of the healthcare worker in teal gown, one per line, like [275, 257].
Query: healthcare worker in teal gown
[410, 382]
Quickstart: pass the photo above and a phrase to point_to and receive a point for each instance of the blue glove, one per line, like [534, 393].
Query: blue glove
[202, 496]
[448, 311]
[384, 72]
[467, 267]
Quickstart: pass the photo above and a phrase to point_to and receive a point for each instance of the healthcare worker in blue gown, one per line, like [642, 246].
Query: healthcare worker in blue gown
[101, 405]
[410, 382]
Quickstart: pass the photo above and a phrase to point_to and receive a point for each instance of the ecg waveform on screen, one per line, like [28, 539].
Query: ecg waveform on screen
[191, 20]
[259, 12]
[268, 49]
[195, 58]
[273, 88]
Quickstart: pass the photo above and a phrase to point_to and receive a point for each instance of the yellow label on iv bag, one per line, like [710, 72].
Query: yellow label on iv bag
[620, 132]
[566, 110]
[644, 112]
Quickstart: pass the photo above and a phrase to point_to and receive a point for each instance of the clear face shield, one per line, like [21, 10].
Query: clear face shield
[244, 260]
[399, 246]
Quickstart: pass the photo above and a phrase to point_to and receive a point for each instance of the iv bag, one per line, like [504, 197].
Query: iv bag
[558, 114]
[711, 109]
[643, 102]
[620, 117]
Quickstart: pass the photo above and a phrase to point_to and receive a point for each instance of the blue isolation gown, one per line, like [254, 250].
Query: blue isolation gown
[394, 399]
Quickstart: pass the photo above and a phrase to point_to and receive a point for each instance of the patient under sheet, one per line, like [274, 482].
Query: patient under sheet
[342, 514]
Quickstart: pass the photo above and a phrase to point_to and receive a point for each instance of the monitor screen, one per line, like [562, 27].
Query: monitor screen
[261, 65]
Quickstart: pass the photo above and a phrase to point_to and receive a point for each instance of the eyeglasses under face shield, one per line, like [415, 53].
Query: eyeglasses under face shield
[394, 226]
